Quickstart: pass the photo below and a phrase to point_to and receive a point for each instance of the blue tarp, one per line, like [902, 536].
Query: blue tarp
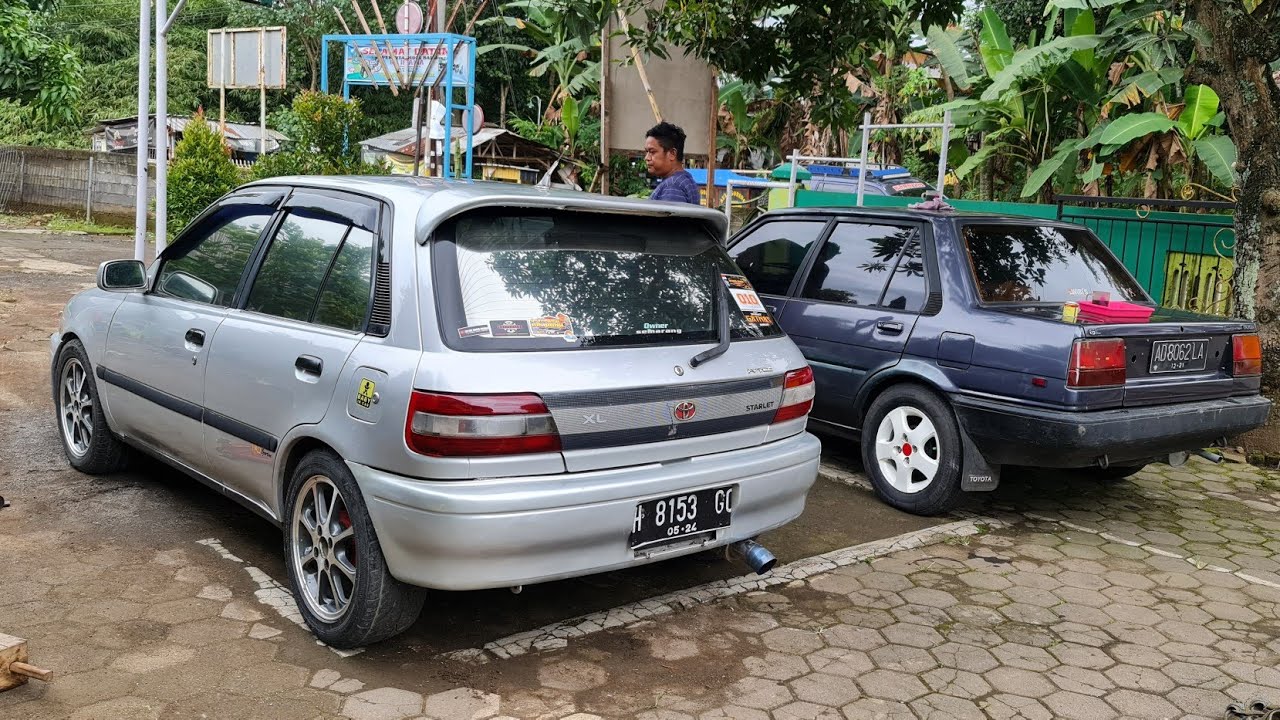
[722, 177]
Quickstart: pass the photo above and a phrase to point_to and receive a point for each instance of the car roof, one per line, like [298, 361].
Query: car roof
[449, 198]
[912, 214]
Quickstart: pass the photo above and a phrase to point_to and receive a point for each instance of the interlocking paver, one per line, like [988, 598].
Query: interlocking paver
[824, 689]
[1017, 681]
[892, 685]
[1074, 706]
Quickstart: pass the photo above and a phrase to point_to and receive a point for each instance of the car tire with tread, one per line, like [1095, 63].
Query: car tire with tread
[901, 415]
[377, 605]
[78, 407]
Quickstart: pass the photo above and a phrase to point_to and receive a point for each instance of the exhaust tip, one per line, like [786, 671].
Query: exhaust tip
[756, 556]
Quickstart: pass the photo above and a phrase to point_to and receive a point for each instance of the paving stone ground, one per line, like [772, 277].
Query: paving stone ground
[1158, 597]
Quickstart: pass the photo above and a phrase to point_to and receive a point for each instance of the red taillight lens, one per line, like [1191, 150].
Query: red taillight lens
[1096, 363]
[1246, 352]
[797, 395]
[469, 425]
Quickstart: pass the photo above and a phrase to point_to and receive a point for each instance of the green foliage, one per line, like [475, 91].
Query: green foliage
[804, 50]
[1201, 107]
[318, 126]
[35, 69]
[202, 172]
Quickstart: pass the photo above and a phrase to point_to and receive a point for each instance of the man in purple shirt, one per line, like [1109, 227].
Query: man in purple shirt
[664, 158]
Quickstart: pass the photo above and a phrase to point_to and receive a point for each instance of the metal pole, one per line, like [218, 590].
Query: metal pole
[942, 153]
[262, 95]
[728, 206]
[88, 194]
[222, 85]
[144, 109]
[162, 126]
[791, 185]
[862, 160]
[417, 129]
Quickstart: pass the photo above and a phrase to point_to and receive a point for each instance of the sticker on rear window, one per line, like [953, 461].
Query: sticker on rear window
[747, 300]
[758, 319]
[737, 282]
[473, 331]
[509, 328]
[558, 325]
[659, 329]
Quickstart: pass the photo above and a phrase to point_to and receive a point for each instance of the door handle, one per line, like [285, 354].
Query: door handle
[195, 337]
[309, 364]
[889, 328]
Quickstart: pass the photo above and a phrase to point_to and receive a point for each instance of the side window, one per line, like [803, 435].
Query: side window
[344, 300]
[772, 254]
[296, 265]
[208, 267]
[907, 289]
[855, 263]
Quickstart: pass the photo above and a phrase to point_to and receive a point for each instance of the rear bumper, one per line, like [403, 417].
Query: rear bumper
[1008, 434]
[473, 534]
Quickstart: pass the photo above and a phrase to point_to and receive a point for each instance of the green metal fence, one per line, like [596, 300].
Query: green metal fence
[1184, 259]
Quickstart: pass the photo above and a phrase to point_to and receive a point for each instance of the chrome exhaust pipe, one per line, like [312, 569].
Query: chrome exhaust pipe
[756, 556]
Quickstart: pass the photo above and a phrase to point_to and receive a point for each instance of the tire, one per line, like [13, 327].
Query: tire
[929, 487]
[87, 440]
[1113, 473]
[360, 603]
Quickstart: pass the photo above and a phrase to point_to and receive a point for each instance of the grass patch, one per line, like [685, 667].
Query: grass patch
[60, 223]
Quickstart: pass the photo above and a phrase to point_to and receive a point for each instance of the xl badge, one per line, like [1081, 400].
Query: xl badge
[685, 411]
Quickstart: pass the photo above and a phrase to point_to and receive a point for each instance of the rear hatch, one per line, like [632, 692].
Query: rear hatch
[1176, 357]
[601, 317]
[1033, 270]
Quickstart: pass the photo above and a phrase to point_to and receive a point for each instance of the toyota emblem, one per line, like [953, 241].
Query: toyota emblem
[685, 411]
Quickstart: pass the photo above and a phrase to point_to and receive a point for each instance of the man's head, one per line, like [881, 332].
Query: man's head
[663, 149]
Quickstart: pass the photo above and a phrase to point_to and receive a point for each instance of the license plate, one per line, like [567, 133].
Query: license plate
[678, 516]
[1170, 356]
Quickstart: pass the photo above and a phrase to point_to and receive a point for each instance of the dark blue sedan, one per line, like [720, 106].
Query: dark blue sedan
[946, 342]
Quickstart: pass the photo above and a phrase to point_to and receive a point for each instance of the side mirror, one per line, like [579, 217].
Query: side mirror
[122, 275]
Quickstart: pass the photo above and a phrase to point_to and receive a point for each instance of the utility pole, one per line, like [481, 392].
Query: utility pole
[144, 109]
[162, 125]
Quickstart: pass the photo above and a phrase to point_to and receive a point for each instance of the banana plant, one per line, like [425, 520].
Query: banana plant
[572, 59]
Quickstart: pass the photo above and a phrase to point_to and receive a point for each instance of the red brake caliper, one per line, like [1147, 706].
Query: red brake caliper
[345, 521]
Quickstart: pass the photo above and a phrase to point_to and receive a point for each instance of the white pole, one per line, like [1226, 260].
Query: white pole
[791, 185]
[144, 109]
[262, 94]
[162, 126]
[862, 161]
[942, 159]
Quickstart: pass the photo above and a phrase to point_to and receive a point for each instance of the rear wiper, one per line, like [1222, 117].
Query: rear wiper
[722, 328]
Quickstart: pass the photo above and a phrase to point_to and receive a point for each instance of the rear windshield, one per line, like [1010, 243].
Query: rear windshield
[563, 280]
[1028, 263]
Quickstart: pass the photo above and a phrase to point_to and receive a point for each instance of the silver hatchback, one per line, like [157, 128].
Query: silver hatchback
[446, 385]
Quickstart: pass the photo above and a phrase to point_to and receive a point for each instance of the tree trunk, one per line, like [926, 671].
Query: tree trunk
[1235, 65]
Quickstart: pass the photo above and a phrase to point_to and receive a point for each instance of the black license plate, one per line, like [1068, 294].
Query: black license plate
[1171, 356]
[678, 516]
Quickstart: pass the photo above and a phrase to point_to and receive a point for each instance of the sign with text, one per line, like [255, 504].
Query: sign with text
[417, 62]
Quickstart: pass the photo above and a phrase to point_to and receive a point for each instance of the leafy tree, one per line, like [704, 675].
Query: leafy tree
[202, 172]
[319, 126]
[806, 50]
[34, 68]
[1237, 47]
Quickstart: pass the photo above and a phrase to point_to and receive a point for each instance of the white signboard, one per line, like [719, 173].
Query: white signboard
[246, 58]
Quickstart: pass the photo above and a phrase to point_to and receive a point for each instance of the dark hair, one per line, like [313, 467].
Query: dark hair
[670, 137]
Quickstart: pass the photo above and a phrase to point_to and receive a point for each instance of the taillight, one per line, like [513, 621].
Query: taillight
[469, 425]
[1246, 352]
[1096, 363]
[797, 395]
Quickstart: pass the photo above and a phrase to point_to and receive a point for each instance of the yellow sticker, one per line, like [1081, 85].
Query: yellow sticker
[364, 396]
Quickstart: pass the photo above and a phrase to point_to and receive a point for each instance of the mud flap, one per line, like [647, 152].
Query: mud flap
[976, 474]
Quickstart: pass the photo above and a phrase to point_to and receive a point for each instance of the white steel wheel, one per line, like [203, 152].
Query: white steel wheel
[323, 549]
[75, 408]
[911, 450]
[907, 449]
